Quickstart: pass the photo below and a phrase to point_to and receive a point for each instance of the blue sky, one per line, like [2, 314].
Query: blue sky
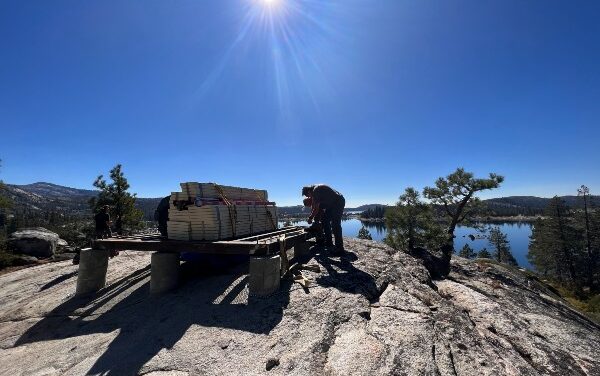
[368, 96]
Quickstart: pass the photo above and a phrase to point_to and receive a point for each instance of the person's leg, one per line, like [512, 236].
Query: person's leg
[336, 221]
[326, 221]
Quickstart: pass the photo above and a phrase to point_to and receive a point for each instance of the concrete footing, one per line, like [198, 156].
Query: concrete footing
[302, 249]
[264, 278]
[164, 273]
[93, 264]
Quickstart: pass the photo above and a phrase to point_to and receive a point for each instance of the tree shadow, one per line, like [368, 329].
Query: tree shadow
[342, 275]
[147, 324]
[58, 280]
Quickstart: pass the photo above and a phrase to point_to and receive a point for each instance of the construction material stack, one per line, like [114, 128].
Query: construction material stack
[208, 211]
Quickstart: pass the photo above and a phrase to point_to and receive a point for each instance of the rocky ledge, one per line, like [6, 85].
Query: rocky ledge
[374, 311]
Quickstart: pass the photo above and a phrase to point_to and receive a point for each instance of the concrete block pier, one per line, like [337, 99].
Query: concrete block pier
[93, 264]
[164, 273]
[264, 278]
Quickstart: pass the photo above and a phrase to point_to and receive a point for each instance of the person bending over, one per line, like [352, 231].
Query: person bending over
[332, 203]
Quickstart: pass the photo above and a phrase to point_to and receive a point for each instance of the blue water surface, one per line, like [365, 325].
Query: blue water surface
[518, 236]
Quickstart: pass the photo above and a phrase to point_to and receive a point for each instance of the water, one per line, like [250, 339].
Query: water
[517, 233]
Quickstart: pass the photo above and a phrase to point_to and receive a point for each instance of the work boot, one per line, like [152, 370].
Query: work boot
[338, 251]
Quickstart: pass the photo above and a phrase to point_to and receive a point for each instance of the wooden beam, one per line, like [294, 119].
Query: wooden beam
[238, 248]
[267, 243]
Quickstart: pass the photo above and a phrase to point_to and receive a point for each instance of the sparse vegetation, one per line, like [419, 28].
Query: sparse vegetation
[126, 216]
[363, 233]
[501, 247]
[411, 223]
[452, 201]
[467, 252]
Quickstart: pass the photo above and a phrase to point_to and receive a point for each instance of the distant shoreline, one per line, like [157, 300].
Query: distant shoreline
[514, 219]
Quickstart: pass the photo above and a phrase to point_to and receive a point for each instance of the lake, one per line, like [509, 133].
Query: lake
[518, 235]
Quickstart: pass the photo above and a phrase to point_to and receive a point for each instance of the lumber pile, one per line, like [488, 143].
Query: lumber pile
[208, 211]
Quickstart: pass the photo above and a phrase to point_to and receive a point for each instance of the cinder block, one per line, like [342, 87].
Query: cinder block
[164, 273]
[93, 264]
[264, 276]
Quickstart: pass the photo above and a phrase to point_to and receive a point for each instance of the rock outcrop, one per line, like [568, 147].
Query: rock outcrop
[37, 242]
[377, 312]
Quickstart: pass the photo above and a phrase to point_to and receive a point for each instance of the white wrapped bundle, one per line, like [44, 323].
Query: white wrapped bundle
[214, 222]
[212, 190]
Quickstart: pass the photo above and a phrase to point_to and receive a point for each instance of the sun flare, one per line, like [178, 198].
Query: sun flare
[270, 3]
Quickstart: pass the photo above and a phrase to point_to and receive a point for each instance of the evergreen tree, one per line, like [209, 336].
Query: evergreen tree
[410, 223]
[467, 252]
[501, 247]
[5, 205]
[484, 253]
[587, 227]
[455, 195]
[363, 233]
[554, 243]
[122, 203]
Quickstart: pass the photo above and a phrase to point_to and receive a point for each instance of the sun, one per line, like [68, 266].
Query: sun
[270, 3]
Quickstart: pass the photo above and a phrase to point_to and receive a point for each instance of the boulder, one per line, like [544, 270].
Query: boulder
[38, 242]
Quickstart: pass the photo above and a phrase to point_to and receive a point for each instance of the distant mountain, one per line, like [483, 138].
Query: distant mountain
[364, 207]
[55, 191]
[50, 197]
[529, 205]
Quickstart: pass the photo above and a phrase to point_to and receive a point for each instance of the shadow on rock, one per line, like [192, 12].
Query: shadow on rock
[147, 324]
[344, 276]
[58, 280]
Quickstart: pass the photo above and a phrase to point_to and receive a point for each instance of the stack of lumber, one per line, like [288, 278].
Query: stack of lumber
[207, 211]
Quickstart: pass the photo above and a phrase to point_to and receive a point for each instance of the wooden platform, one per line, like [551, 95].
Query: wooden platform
[268, 243]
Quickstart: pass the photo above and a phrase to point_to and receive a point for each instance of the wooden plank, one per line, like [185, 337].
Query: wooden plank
[272, 233]
[268, 244]
[239, 248]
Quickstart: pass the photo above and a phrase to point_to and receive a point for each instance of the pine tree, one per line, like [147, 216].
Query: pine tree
[455, 194]
[5, 205]
[584, 223]
[363, 233]
[501, 247]
[554, 246]
[410, 223]
[467, 252]
[484, 253]
[121, 203]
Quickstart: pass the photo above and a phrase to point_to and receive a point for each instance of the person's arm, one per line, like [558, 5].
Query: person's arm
[314, 212]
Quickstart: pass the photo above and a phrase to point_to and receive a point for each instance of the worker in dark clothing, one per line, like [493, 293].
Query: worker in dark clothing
[102, 220]
[317, 226]
[332, 203]
[161, 215]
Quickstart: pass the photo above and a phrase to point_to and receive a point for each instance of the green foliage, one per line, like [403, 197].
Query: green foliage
[484, 253]
[587, 223]
[455, 196]
[554, 247]
[363, 233]
[410, 223]
[5, 205]
[501, 247]
[565, 244]
[123, 212]
[467, 252]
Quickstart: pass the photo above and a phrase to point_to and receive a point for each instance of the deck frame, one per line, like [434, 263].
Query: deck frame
[268, 243]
